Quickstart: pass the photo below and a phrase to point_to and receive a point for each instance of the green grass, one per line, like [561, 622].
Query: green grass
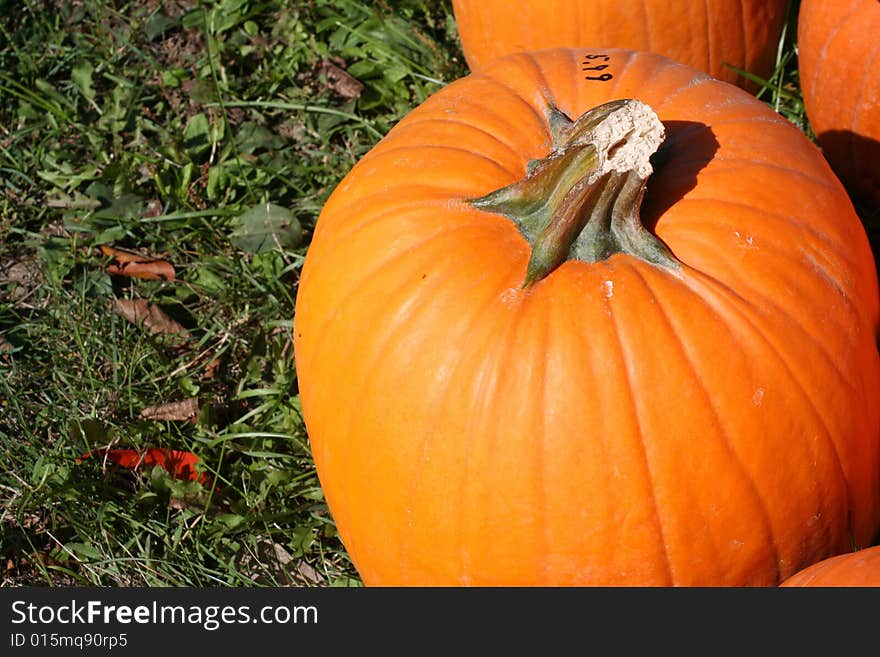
[157, 130]
[167, 128]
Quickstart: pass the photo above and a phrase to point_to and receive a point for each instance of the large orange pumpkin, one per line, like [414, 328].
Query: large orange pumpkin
[839, 65]
[695, 405]
[741, 33]
[859, 568]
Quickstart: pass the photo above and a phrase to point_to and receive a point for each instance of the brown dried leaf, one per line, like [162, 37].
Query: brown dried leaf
[135, 265]
[151, 316]
[153, 209]
[155, 270]
[123, 256]
[188, 409]
[307, 573]
[211, 369]
[340, 81]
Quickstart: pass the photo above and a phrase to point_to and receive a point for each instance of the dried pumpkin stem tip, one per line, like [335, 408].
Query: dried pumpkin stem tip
[582, 200]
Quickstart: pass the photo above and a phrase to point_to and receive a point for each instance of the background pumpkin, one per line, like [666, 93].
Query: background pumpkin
[616, 423]
[743, 33]
[838, 63]
[859, 568]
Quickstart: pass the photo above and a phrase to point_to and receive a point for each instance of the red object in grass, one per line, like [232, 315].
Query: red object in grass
[180, 464]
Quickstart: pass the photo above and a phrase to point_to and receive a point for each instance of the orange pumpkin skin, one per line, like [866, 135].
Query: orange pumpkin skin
[859, 568]
[742, 33]
[616, 423]
[838, 62]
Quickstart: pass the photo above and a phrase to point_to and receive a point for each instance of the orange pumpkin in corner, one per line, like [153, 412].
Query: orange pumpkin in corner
[859, 568]
[839, 67]
[741, 33]
[530, 352]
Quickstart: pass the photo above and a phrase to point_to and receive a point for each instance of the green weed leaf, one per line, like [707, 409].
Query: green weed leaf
[82, 78]
[265, 227]
[197, 136]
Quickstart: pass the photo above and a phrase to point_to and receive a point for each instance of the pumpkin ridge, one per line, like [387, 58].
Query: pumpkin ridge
[488, 120]
[425, 197]
[774, 352]
[774, 120]
[837, 56]
[677, 231]
[696, 81]
[808, 228]
[707, 12]
[397, 150]
[646, 22]
[822, 269]
[573, 93]
[869, 70]
[481, 114]
[724, 434]
[541, 450]
[626, 357]
[496, 348]
[493, 347]
[541, 119]
[787, 171]
[822, 58]
[401, 324]
[389, 261]
[538, 73]
[345, 460]
[742, 30]
[366, 219]
[465, 126]
[582, 340]
[792, 321]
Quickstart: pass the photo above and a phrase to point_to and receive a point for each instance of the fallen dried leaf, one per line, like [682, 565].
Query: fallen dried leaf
[135, 265]
[340, 81]
[153, 209]
[188, 409]
[211, 369]
[155, 270]
[308, 573]
[151, 316]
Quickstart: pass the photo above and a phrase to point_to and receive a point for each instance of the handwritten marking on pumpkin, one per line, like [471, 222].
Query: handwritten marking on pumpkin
[590, 66]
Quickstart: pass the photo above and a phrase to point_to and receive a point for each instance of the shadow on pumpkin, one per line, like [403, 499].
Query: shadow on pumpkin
[689, 146]
[856, 161]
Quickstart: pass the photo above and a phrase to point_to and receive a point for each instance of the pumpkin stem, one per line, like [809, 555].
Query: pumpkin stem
[582, 200]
